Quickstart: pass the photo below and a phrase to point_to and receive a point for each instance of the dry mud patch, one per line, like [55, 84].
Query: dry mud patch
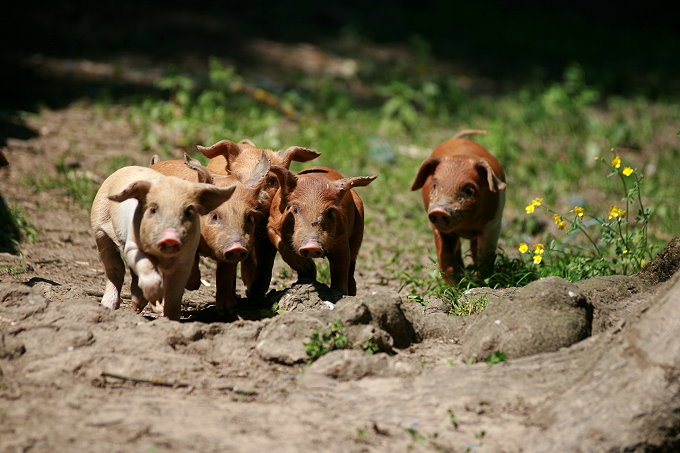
[594, 365]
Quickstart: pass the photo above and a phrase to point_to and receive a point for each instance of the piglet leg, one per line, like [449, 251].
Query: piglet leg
[150, 280]
[340, 266]
[257, 272]
[225, 297]
[114, 269]
[449, 256]
[138, 299]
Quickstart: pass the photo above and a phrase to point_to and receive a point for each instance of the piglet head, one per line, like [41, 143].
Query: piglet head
[315, 210]
[229, 230]
[457, 190]
[167, 216]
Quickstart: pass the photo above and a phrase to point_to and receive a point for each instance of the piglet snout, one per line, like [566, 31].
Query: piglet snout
[311, 249]
[235, 252]
[442, 217]
[170, 242]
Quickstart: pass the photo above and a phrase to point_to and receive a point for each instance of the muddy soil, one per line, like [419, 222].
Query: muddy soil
[77, 377]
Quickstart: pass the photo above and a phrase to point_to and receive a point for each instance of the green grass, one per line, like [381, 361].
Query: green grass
[70, 182]
[546, 135]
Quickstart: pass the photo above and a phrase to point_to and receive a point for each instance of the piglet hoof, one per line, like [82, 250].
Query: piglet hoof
[151, 285]
[111, 300]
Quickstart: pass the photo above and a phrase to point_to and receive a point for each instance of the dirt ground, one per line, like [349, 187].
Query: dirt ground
[77, 377]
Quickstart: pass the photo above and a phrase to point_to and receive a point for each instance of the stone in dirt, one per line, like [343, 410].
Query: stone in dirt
[544, 316]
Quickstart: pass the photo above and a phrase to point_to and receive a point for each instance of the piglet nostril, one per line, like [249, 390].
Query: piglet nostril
[169, 241]
[235, 253]
[311, 249]
[439, 216]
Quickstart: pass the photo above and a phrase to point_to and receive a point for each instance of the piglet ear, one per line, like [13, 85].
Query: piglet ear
[426, 169]
[495, 183]
[297, 154]
[204, 175]
[209, 197]
[259, 174]
[226, 148]
[343, 185]
[154, 159]
[247, 141]
[287, 180]
[137, 190]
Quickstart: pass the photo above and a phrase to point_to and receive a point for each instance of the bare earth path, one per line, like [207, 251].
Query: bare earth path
[77, 377]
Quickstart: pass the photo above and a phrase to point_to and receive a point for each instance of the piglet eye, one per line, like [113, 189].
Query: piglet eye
[152, 209]
[189, 213]
[469, 190]
[434, 185]
[328, 215]
[215, 217]
[295, 210]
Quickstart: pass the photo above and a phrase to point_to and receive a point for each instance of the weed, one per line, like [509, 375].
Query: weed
[71, 182]
[464, 306]
[496, 357]
[452, 418]
[620, 246]
[323, 342]
[370, 346]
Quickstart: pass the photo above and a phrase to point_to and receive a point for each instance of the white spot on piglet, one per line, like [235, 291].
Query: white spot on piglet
[329, 305]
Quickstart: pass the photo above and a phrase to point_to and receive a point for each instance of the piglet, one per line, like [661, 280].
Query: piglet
[228, 231]
[315, 214]
[153, 221]
[463, 192]
[240, 159]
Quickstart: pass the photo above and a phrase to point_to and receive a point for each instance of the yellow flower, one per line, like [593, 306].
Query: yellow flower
[643, 261]
[616, 162]
[627, 171]
[538, 259]
[523, 247]
[615, 211]
[561, 225]
[539, 249]
[532, 206]
[578, 210]
[625, 252]
[556, 218]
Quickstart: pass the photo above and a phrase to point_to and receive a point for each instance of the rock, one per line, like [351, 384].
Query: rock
[541, 317]
[349, 365]
[304, 297]
[18, 302]
[666, 263]
[381, 309]
[433, 325]
[283, 340]
[610, 296]
[360, 336]
[10, 348]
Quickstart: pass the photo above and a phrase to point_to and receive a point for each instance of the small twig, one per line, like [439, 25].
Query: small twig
[157, 382]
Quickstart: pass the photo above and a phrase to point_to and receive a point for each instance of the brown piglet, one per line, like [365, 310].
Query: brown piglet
[228, 231]
[463, 192]
[240, 159]
[315, 214]
[153, 221]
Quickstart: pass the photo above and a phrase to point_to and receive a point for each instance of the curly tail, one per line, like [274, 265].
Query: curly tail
[467, 132]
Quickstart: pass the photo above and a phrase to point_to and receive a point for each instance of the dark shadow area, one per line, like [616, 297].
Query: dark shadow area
[10, 234]
[628, 48]
[35, 280]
